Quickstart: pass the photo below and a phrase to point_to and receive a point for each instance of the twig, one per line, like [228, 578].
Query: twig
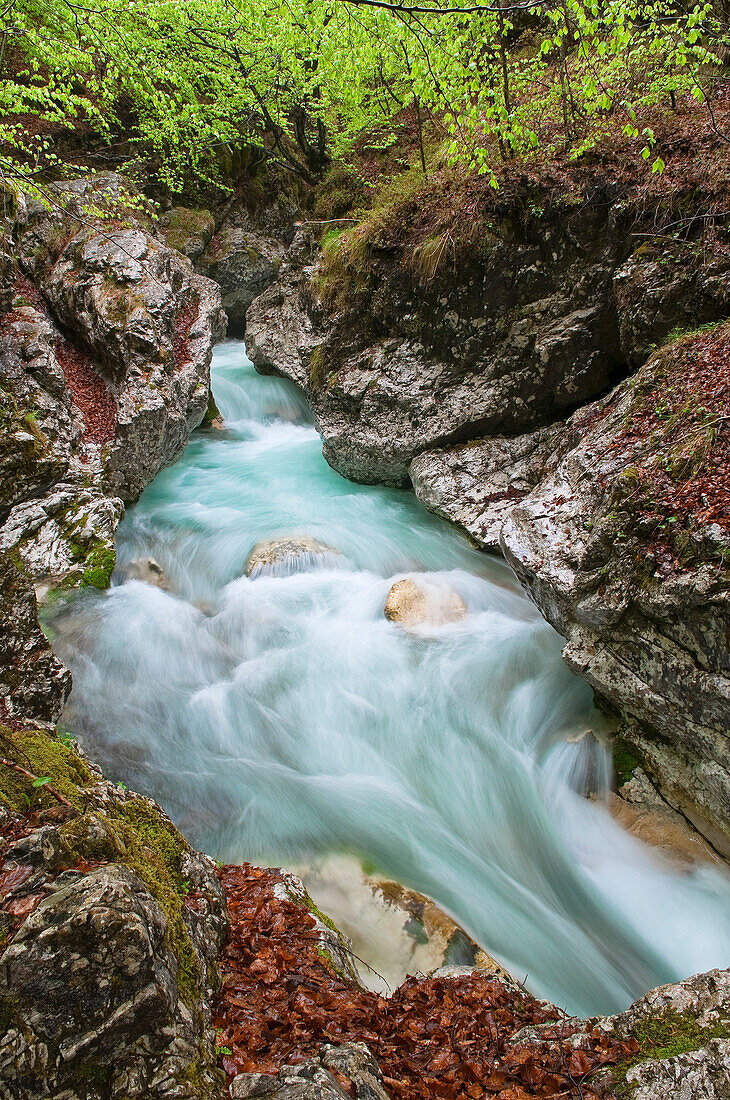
[29, 775]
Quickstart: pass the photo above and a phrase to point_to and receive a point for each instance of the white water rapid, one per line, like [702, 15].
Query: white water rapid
[283, 718]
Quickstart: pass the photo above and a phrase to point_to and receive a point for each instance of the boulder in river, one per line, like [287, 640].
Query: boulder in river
[147, 570]
[411, 604]
[290, 554]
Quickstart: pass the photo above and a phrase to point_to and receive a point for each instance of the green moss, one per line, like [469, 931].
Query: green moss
[43, 755]
[317, 912]
[183, 225]
[625, 762]
[318, 367]
[665, 1036]
[155, 850]
[99, 566]
[139, 837]
[136, 834]
[211, 413]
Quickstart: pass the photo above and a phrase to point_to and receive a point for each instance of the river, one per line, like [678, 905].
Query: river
[283, 719]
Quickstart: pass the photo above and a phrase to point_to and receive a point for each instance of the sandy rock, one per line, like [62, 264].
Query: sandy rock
[640, 809]
[410, 604]
[281, 557]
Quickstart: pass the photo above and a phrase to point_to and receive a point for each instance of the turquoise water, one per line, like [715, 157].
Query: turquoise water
[284, 718]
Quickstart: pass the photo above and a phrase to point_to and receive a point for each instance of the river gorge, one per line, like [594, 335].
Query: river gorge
[281, 718]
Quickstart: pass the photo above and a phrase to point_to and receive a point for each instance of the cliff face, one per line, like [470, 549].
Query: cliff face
[624, 546]
[405, 348]
[114, 921]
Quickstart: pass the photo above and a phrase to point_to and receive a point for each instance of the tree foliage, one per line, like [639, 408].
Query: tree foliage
[297, 81]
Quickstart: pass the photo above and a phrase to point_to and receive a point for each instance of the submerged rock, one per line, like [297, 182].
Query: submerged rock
[281, 557]
[411, 604]
[395, 931]
[147, 570]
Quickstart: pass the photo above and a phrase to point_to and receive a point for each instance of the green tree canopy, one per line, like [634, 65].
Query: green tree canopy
[297, 81]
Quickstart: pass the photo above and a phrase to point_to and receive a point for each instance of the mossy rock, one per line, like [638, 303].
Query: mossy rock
[46, 757]
[187, 230]
[131, 831]
[662, 1037]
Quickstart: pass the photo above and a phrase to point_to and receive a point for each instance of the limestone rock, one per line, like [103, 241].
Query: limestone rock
[147, 570]
[33, 683]
[187, 230]
[410, 604]
[245, 255]
[640, 809]
[698, 1075]
[95, 1000]
[297, 554]
[38, 429]
[65, 536]
[281, 336]
[312, 1080]
[653, 646]
[475, 485]
[535, 326]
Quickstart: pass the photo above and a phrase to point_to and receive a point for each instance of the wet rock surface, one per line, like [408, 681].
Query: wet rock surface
[412, 604]
[294, 554]
[648, 637]
[394, 931]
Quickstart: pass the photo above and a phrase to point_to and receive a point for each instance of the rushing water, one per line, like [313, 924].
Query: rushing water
[283, 718]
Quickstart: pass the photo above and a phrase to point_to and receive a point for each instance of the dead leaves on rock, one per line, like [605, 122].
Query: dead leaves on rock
[435, 1038]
